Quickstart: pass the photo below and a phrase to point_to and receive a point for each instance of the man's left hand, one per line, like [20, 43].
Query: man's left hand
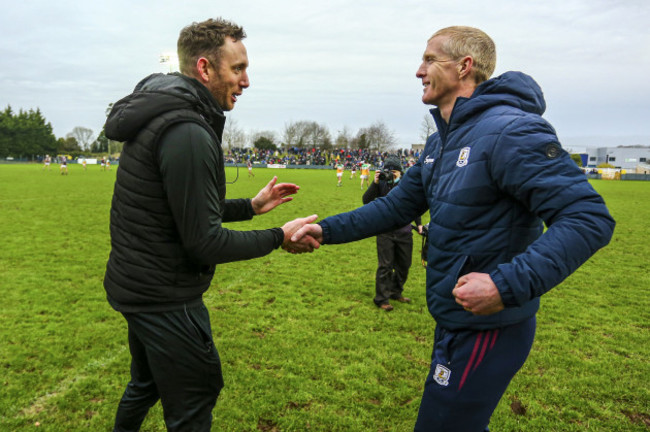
[272, 195]
[477, 293]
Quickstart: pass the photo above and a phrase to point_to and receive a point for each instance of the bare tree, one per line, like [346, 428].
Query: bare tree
[83, 136]
[318, 136]
[343, 139]
[307, 134]
[233, 136]
[291, 133]
[427, 127]
[376, 137]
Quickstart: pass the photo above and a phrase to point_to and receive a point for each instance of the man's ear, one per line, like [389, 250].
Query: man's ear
[203, 70]
[465, 67]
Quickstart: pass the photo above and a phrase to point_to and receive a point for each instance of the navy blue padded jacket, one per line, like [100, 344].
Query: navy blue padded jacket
[491, 178]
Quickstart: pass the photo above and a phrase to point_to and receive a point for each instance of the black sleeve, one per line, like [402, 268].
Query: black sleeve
[236, 210]
[371, 193]
[188, 159]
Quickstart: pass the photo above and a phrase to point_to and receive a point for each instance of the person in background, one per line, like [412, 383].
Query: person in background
[63, 168]
[492, 177]
[249, 165]
[339, 173]
[394, 248]
[167, 234]
[365, 174]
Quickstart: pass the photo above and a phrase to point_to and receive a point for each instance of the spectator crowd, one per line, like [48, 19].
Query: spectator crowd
[314, 156]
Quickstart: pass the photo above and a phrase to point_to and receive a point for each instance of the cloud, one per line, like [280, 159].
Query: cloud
[337, 62]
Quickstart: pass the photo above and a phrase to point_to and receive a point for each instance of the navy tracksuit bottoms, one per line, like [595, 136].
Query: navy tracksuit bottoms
[470, 371]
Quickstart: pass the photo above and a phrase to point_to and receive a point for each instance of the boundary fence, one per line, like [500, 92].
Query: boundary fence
[616, 175]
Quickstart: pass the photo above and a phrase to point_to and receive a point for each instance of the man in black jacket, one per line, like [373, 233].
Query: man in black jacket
[394, 248]
[166, 225]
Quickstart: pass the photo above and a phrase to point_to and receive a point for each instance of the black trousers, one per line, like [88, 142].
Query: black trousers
[394, 255]
[173, 358]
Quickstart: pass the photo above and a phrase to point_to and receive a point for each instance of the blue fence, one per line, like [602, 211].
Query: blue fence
[243, 165]
[641, 177]
[630, 176]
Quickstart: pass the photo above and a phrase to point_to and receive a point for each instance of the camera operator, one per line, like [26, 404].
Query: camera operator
[395, 248]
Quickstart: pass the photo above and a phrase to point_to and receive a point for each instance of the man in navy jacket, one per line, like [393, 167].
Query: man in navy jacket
[491, 177]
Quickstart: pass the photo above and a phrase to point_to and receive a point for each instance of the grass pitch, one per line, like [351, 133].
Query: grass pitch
[302, 345]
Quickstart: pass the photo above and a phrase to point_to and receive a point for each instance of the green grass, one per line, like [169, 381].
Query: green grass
[303, 347]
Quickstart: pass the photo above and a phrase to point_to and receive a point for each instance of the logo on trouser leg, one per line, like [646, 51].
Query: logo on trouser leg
[441, 375]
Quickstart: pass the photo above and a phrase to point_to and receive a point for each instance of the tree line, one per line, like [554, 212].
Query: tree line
[309, 134]
[301, 134]
[27, 135]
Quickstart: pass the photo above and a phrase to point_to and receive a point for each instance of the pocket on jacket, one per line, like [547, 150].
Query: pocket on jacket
[483, 263]
[445, 286]
[461, 267]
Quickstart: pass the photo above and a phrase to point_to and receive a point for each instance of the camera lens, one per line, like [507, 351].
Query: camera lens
[386, 175]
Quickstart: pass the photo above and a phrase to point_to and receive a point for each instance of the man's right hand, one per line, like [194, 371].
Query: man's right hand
[308, 233]
[303, 243]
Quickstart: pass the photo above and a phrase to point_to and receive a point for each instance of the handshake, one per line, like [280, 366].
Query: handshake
[301, 235]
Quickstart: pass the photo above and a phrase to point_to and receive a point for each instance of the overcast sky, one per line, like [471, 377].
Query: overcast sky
[341, 63]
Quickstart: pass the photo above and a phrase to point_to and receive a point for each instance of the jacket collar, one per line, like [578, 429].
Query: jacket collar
[208, 108]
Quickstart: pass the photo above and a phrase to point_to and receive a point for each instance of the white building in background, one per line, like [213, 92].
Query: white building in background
[623, 157]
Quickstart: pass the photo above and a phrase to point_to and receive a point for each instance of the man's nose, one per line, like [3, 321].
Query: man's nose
[245, 82]
[421, 72]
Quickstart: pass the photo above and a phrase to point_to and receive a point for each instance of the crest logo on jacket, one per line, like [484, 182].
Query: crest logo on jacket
[441, 375]
[463, 157]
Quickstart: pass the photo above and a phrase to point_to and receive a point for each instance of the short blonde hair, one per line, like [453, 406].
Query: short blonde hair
[469, 41]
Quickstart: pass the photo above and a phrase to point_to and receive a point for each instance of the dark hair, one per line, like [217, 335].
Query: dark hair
[393, 162]
[205, 39]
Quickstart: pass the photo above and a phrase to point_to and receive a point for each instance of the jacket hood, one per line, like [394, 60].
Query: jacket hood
[512, 88]
[155, 95]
